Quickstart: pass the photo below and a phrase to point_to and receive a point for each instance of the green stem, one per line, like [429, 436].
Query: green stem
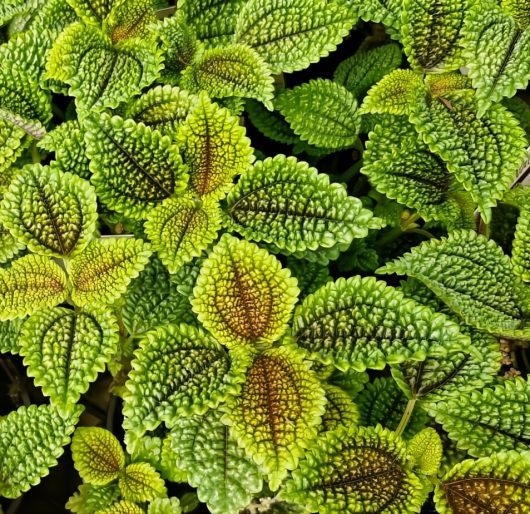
[422, 232]
[409, 409]
[35, 155]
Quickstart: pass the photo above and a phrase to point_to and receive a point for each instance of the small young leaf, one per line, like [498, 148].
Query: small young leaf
[89, 498]
[9, 335]
[9, 245]
[340, 409]
[226, 479]
[13, 142]
[321, 112]
[98, 455]
[292, 34]
[252, 303]
[311, 276]
[140, 482]
[30, 284]
[275, 416]
[122, 507]
[103, 271]
[165, 506]
[426, 448]
[270, 123]
[130, 19]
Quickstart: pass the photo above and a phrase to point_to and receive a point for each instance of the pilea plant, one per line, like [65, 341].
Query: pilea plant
[233, 280]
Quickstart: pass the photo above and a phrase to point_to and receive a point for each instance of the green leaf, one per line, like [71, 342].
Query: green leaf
[521, 245]
[89, 498]
[11, 8]
[500, 484]
[283, 201]
[164, 506]
[65, 350]
[386, 12]
[517, 9]
[270, 123]
[134, 166]
[488, 421]
[215, 147]
[426, 448]
[13, 141]
[521, 110]
[432, 32]
[321, 112]
[363, 470]
[92, 10]
[31, 440]
[30, 284]
[473, 277]
[364, 69]
[226, 479]
[9, 245]
[182, 228]
[276, 415]
[495, 51]
[51, 212]
[122, 507]
[292, 34]
[140, 482]
[98, 455]
[130, 19]
[311, 276]
[243, 295]
[103, 271]
[178, 370]
[483, 153]
[99, 74]
[340, 410]
[235, 70]
[163, 108]
[9, 335]
[362, 323]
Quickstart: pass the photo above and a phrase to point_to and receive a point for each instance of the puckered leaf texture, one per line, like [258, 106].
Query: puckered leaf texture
[140, 482]
[426, 449]
[130, 19]
[122, 507]
[243, 296]
[9, 335]
[91, 498]
[340, 409]
[521, 243]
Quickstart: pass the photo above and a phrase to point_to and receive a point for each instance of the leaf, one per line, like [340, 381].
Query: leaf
[31, 440]
[65, 350]
[215, 147]
[51, 212]
[473, 277]
[495, 50]
[164, 506]
[130, 19]
[283, 201]
[483, 153]
[178, 370]
[235, 70]
[163, 108]
[340, 410]
[500, 483]
[30, 284]
[226, 478]
[182, 228]
[361, 323]
[321, 112]
[365, 68]
[361, 470]
[426, 448]
[140, 482]
[276, 414]
[89, 498]
[9, 335]
[292, 34]
[488, 421]
[431, 33]
[11, 8]
[386, 12]
[92, 10]
[521, 245]
[122, 507]
[99, 74]
[251, 306]
[98, 455]
[103, 271]
[311, 276]
[9, 246]
[12, 143]
[134, 166]
[270, 123]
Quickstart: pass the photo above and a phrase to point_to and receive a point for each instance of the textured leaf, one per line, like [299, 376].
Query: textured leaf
[473, 277]
[292, 34]
[243, 295]
[350, 381]
[177, 371]
[30, 284]
[519, 10]
[92, 10]
[364, 470]
[362, 323]
[12, 143]
[277, 412]
[182, 228]
[340, 410]
[311, 276]
[270, 123]
[426, 448]
[226, 478]
[122, 507]
[11, 8]
[215, 147]
[361, 71]
[9, 335]
[387, 12]
[521, 245]
[495, 51]
[51, 212]
[99, 74]
[164, 506]
[489, 421]
[130, 19]
[97, 454]
[521, 110]
[140, 482]
[103, 271]
[134, 166]
[497, 484]
[285, 202]
[9, 245]
[65, 350]
[235, 70]
[484, 153]
[163, 108]
[31, 441]
[89, 498]
[321, 112]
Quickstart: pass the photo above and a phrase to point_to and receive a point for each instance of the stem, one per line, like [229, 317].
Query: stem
[422, 232]
[409, 409]
[14, 505]
[35, 155]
